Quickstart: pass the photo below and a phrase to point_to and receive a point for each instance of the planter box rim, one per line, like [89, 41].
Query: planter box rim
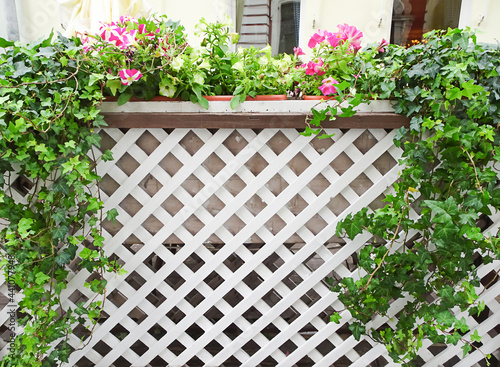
[285, 106]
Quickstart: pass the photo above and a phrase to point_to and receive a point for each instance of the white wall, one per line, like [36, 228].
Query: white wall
[189, 12]
[372, 17]
[37, 18]
[482, 17]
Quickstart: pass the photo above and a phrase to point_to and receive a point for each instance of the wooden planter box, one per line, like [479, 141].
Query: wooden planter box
[250, 114]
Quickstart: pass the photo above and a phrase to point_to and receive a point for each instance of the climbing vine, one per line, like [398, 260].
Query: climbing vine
[427, 242]
[49, 195]
[429, 239]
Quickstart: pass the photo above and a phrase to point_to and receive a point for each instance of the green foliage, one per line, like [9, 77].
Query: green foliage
[150, 46]
[430, 236]
[216, 70]
[48, 122]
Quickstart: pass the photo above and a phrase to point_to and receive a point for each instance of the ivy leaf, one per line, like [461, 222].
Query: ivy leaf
[93, 139]
[413, 93]
[475, 337]
[94, 78]
[445, 318]
[41, 278]
[446, 292]
[46, 52]
[453, 338]
[357, 330]
[318, 116]
[443, 210]
[351, 226]
[387, 89]
[24, 227]
[94, 205]
[81, 310]
[466, 348]
[454, 93]
[111, 215]
[21, 69]
[67, 255]
[60, 232]
[469, 88]
[335, 318]
[462, 325]
[444, 233]
[61, 186]
[107, 156]
[59, 216]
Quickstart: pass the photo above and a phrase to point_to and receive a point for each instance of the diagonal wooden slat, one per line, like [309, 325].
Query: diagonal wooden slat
[227, 236]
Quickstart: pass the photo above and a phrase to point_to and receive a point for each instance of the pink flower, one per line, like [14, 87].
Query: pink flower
[129, 76]
[297, 51]
[314, 67]
[350, 34]
[333, 39]
[127, 39]
[327, 88]
[150, 35]
[382, 45]
[110, 32]
[128, 18]
[318, 37]
[87, 42]
[142, 28]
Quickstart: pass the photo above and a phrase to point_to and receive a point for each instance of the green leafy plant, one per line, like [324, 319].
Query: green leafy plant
[430, 238]
[258, 73]
[339, 71]
[215, 70]
[48, 122]
[331, 62]
[136, 57]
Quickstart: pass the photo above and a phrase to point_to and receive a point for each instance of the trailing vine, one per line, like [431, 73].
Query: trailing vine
[427, 243]
[430, 238]
[48, 126]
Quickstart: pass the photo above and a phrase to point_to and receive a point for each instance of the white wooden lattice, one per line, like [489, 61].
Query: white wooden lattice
[227, 236]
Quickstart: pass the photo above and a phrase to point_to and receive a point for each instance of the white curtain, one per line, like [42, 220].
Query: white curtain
[86, 15]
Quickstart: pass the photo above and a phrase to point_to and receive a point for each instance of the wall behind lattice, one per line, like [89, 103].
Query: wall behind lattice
[227, 236]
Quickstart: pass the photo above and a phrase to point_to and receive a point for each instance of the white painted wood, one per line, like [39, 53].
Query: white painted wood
[214, 196]
[299, 106]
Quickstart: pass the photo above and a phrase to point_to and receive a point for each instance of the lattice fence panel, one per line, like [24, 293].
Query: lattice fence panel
[227, 236]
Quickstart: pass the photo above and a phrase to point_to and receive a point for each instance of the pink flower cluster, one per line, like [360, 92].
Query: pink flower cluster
[119, 35]
[322, 42]
[346, 33]
[327, 88]
[314, 67]
[127, 34]
[128, 76]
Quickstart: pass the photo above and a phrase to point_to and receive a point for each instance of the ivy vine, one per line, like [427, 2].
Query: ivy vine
[427, 241]
[48, 126]
[430, 238]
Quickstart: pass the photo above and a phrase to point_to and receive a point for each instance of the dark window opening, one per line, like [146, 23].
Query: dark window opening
[289, 27]
[411, 19]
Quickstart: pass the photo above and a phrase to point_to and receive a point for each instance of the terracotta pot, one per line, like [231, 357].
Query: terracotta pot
[135, 99]
[273, 97]
[317, 98]
[219, 98]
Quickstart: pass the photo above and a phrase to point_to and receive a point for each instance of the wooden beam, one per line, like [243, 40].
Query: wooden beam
[250, 120]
